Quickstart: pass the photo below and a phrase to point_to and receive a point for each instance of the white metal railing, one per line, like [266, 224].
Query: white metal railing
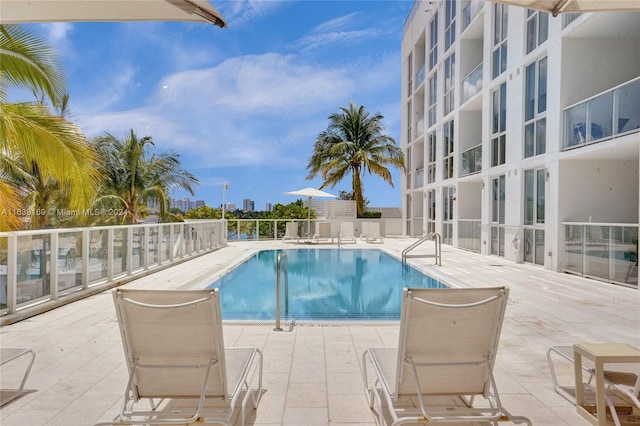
[603, 116]
[282, 255]
[472, 83]
[43, 265]
[438, 245]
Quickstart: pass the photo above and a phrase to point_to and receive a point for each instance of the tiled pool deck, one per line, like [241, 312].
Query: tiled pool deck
[312, 372]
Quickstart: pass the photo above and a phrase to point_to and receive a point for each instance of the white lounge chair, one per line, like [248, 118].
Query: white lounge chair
[174, 350]
[364, 230]
[291, 232]
[447, 349]
[622, 388]
[373, 233]
[11, 354]
[323, 232]
[347, 234]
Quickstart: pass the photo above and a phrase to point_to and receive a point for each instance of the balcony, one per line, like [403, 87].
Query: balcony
[469, 233]
[471, 161]
[472, 83]
[605, 251]
[609, 114]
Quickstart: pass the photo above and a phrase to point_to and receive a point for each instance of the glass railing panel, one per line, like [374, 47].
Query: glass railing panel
[4, 256]
[69, 260]
[608, 114]
[420, 127]
[596, 262]
[420, 77]
[469, 234]
[153, 245]
[97, 255]
[120, 245]
[624, 255]
[33, 267]
[178, 241]
[627, 104]
[472, 83]
[573, 243]
[419, 178]
[470, 11]
[137, 248]
[471, 161]
[165, 247]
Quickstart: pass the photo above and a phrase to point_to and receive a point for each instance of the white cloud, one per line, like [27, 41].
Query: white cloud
[239, 13]
[249, 110]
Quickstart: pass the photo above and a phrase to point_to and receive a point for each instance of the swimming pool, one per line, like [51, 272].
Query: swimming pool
[324, 284]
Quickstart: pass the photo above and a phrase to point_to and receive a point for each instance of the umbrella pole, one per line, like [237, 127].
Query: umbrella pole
[309, 219]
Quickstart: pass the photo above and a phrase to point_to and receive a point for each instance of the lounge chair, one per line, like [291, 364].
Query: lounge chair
[291, 232]
[445, 358]
[622, 388]
[347, 234]
[323, 232]
[174, 350]
[11, 354]
[373, 233]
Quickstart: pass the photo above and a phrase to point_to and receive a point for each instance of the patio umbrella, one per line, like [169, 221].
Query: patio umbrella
[310, 193]
[569, 6]
[22, 11]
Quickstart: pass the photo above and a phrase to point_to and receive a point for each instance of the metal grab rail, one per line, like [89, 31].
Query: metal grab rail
[282, 255]
[431, 236]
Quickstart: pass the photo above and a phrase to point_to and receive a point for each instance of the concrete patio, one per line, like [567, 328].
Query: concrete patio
[312, 371]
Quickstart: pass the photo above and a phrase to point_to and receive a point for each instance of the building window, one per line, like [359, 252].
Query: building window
[433, 50]
[498, 130]
[431, 157]
[497, 215]
[431, 211]
[535, 108]
[433, 97]
[537, 28]
[450, 24]
[534, 207]
[534, 215]
[500, 25]
[409, 74]
[449, 85]
[447, 163]
[448, 195]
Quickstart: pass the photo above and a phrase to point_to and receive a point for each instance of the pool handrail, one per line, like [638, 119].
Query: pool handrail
[282, 255]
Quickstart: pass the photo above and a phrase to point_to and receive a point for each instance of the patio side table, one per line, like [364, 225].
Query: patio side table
[600, 354]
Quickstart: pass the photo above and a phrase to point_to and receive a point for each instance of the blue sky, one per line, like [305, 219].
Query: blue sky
[241, 105]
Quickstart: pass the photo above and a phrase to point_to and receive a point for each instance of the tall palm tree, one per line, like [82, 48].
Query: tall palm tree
[355, 143]
[29, 131]
[132, 176]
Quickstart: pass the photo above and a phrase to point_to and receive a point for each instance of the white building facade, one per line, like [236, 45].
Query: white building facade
[521, 133]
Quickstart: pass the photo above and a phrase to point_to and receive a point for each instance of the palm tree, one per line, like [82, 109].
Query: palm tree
[355, 143]
[30, 132]
[132, 176]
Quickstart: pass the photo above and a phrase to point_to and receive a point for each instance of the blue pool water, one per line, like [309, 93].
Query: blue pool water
[323, 284]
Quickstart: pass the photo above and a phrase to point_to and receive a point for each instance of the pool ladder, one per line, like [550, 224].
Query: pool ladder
[282, 255]
[430, 236]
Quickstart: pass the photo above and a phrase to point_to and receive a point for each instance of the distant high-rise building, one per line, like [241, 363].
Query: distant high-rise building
[230, 207]
[199, 203]
[268, 207]
[185, 204]
[247, 205]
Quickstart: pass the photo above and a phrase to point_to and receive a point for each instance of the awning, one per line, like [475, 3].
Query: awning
[29, 11]
[565, 6]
